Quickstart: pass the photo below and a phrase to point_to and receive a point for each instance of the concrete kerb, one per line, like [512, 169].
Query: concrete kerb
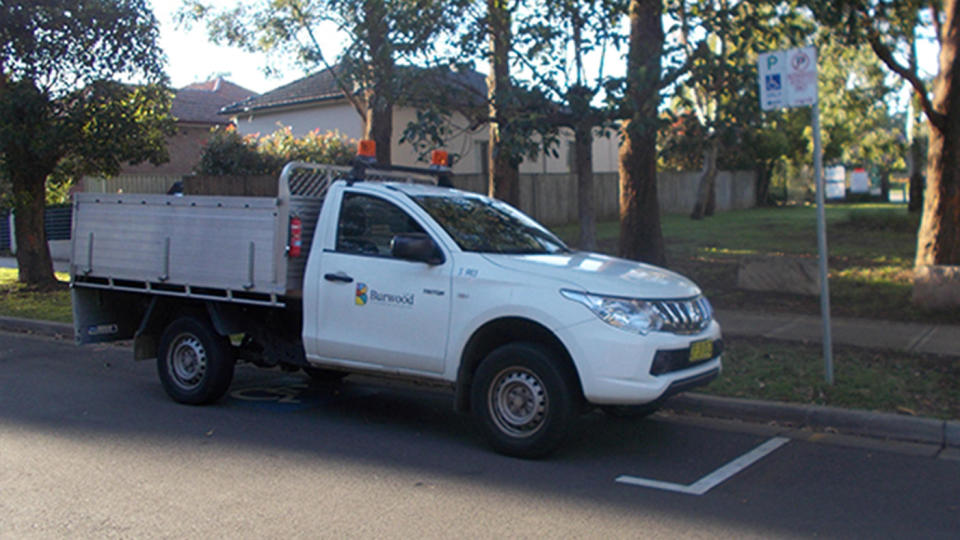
[945, 433]
[31, 326]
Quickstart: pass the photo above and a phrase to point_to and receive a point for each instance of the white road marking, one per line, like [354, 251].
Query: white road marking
[715, 478]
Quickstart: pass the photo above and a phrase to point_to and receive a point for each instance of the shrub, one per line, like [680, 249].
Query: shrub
[230, 153]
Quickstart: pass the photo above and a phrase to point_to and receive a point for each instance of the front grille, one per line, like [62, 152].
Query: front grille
[684, 316]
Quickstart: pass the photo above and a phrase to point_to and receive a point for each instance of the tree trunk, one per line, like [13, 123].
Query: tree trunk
[706, 195]
[885, 185]
[641, 237]
[762, 184]
[504, 182]
[586, 206]
[379, 126]
[916, 177]
[33, 253]
[938, 242]
[378, 121]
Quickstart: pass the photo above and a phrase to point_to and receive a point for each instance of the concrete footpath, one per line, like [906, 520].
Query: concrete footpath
[915, 338]
[918, 338]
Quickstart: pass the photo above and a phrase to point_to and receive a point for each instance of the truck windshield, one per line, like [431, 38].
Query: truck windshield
[488, 226]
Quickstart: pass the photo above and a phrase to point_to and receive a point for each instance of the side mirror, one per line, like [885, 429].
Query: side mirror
[416, 247]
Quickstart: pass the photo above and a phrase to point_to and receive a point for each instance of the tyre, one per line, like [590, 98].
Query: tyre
[524, 400]
[324, 375]
[194, 362]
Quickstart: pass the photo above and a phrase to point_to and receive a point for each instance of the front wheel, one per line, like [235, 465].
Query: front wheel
[524, 400]
[194, 362]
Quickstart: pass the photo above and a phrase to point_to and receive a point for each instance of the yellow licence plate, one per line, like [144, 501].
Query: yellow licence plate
[701, 350]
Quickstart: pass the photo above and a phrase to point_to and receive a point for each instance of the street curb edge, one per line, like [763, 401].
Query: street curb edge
[945, 433]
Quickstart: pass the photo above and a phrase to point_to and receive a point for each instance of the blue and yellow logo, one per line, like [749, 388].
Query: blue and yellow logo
[361, 297]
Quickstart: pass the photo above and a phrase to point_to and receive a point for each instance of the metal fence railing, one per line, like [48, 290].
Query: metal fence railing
[57, 221]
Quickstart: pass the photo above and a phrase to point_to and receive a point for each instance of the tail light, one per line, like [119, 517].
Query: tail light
[296, 237]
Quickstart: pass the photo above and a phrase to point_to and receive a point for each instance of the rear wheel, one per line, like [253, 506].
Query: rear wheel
[524, 400]
[194, 362]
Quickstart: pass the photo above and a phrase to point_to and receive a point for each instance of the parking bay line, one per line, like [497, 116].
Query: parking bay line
[713, 479]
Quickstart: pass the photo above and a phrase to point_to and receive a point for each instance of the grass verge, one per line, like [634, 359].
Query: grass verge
[16, 300]
[871, 249]
[917, 385]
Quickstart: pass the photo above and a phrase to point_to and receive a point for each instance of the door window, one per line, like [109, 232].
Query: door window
[368, 224]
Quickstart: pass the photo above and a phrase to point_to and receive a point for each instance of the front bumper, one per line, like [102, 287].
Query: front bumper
[617, 367]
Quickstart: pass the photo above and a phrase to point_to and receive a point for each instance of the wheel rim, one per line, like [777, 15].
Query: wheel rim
[187, 361]
[517, 402]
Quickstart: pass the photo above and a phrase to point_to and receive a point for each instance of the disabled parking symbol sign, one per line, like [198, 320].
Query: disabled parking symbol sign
[788, 78]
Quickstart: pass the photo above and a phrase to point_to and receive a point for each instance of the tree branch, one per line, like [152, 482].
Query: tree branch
[886, 56]
[935, 15]
[347, 93]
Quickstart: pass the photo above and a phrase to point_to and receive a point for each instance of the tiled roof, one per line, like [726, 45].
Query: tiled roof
[321, 86]
[200, 102]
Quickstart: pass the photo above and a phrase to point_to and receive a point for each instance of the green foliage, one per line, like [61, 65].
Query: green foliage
[718, 95]
[228, 152]
[380, 34]
[60, 104]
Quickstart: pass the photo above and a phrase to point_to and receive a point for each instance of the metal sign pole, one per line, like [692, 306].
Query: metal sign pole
[822, 245]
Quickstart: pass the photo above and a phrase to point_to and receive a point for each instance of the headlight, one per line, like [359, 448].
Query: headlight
[624, 313]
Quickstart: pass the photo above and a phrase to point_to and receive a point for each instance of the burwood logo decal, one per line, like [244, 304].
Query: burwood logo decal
[365, 295]
[361, 298]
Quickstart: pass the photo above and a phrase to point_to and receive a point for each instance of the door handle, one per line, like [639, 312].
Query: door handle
[341, 277]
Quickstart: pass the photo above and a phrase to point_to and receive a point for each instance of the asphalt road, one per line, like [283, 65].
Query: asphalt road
[90, 446]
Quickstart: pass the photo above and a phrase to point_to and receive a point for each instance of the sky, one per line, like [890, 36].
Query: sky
[192, 58]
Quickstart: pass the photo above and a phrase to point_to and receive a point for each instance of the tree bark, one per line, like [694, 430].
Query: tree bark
[586, 206]
[641, 237]
[885, 185]
[504, 182]
[379, 126]
[706, 194]
[378, 118]
[916, 177]
[762, 185]
[33, 254]
[938, 242]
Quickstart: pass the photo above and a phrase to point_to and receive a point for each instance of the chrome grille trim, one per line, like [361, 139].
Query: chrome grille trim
[688, 316]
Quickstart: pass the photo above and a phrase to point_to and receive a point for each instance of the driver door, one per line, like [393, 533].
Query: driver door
[377, 311]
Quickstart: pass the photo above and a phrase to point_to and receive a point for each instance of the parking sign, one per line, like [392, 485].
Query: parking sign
[788, 78]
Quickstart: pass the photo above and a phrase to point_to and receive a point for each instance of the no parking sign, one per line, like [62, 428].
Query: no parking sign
[788, 78]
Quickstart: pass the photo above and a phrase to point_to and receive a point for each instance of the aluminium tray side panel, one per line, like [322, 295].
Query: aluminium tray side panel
[218, 242]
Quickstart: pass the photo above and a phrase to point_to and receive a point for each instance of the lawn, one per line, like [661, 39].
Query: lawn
[916, 385]
[871, 249]
[17, 300]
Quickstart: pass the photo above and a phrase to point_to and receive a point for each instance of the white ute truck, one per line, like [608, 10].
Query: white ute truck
[382, 272]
